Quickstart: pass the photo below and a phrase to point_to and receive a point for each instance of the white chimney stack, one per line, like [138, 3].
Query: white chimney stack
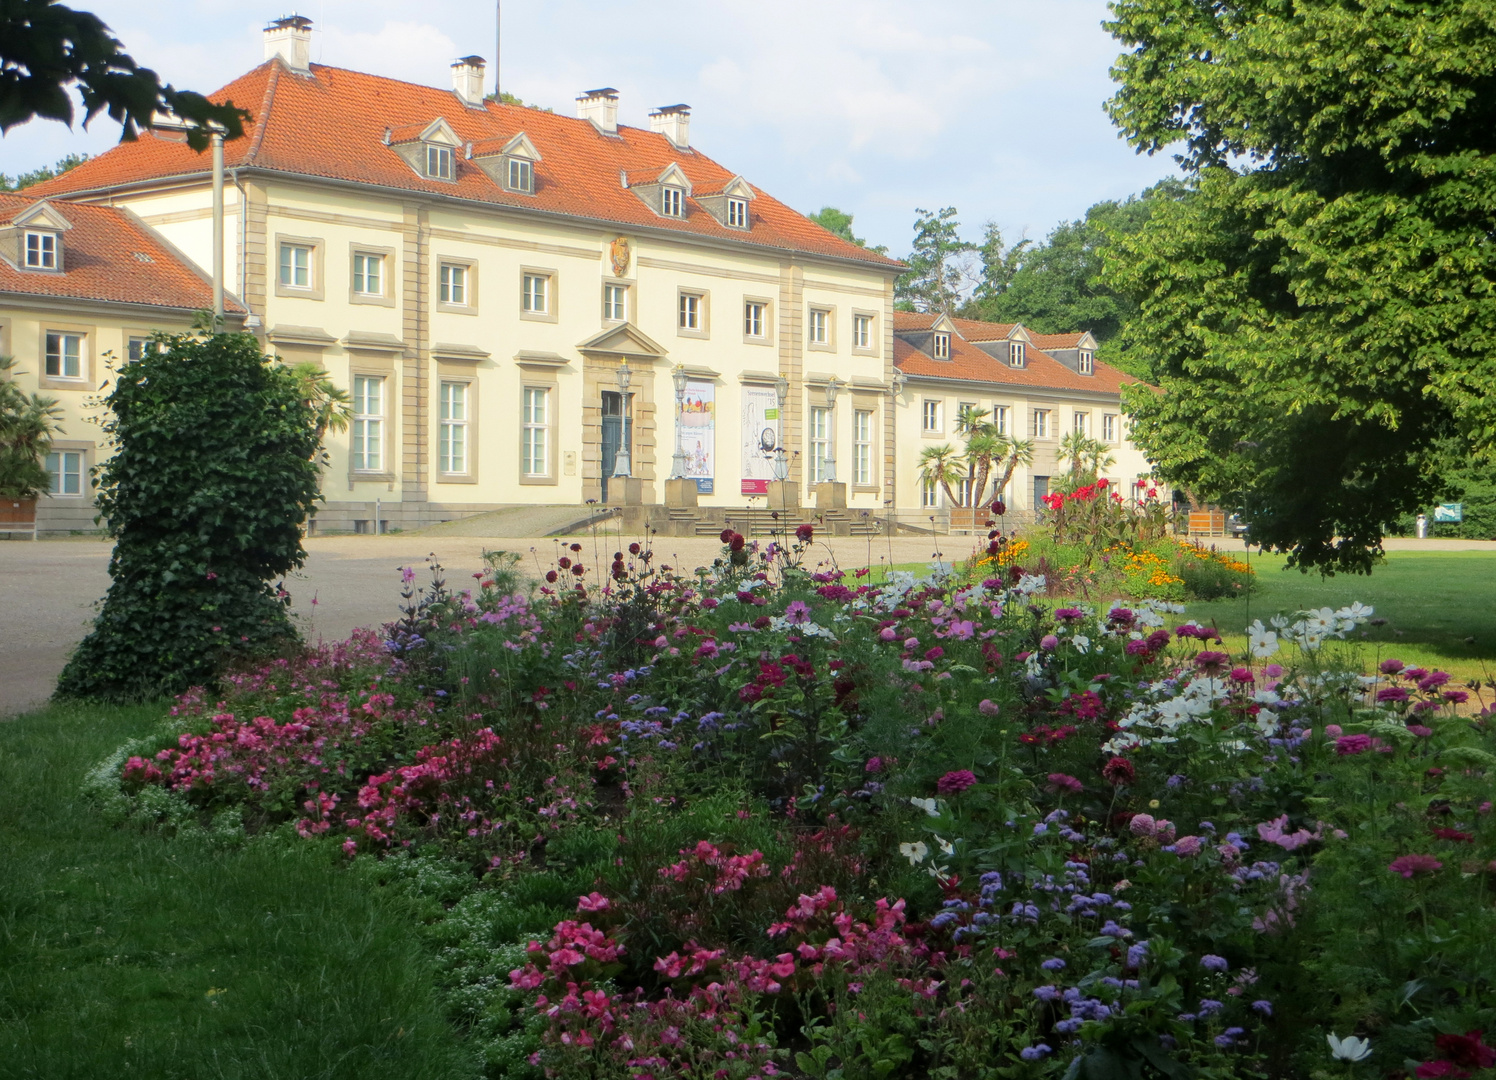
[467, 80]
[673, 122]
[601, 107]
[290, 39]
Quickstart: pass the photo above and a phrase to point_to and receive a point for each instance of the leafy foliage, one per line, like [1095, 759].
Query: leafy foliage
[936, 278]
[24, 180]
[27, 424]
[211, 480]
[1332, 255]
[47, 48]
[840, 222]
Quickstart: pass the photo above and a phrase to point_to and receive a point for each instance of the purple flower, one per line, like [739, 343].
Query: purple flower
[1034, 1053]
[1347, 745]
[1211, 962]
[1408, 865]
[796, 613]
[1053, 964]
[1065, 614]
[1049, 643]
[1392, 693]
[1264, 1007]
[1210, 1008]
[1046, 993]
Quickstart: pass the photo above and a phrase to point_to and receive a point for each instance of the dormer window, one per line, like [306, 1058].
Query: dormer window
[737, 213]
[1085, 363]
[41, 251]
[439, 162]
[1015, 354]
[672, 199]
[942, 346]
[521, 176]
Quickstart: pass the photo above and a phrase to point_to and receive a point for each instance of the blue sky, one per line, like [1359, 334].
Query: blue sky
[875, 106]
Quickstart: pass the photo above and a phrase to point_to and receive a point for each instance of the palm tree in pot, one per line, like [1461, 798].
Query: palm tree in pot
[27, 424]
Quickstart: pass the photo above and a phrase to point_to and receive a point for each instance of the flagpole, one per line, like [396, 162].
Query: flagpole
[498, 31]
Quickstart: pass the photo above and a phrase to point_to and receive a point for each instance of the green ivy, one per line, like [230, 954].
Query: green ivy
[205, 497]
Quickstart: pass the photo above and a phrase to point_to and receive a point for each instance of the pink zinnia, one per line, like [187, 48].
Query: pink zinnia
[1392, 693]
[953, 783]
[1408, 865]
[1352, 744]
[1059, 781]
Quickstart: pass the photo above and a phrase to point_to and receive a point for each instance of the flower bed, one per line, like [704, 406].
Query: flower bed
[765, 819]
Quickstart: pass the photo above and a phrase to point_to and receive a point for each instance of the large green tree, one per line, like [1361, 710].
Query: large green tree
[48, 50]
[937, 275]
[1320, 309]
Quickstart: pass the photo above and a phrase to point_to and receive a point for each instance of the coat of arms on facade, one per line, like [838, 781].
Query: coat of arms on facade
[620, 252]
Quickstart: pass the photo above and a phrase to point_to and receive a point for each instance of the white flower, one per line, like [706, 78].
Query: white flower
[1029, 584]
[1349, 1049]
[1082, 643]
[945, 846]
[914, 852]
[1263, 642]
[927, 805]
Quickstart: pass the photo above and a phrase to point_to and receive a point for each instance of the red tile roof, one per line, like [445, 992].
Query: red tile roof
[1057, 341]
[332, 124]
[108, 254]
[968, 363]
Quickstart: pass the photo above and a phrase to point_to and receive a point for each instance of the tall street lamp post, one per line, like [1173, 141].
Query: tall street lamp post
[678, 468]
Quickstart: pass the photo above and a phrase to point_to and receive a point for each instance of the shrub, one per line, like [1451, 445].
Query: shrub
[210, 482]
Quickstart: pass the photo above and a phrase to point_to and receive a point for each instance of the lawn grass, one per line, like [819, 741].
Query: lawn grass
[124, 954]
[1440, 607]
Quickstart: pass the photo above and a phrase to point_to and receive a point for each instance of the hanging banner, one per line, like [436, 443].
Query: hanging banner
[760, 435]
[698, 433]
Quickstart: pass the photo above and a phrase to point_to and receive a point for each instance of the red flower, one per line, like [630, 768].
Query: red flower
[1119, 771]
[1408, 865]
[1455, 834]
[999, 507]
[1467, 1050]
[804, 533]
[727, 535]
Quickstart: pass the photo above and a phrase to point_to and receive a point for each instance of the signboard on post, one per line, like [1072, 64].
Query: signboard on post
[760, 435]
[1449, 512]
[698, 433]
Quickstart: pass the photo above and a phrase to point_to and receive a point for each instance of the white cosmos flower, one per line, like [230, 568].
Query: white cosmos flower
[945, 846]
[914, 852]
[1082, 643]
[1349, 1048]
[927, 805]
[1263, 642]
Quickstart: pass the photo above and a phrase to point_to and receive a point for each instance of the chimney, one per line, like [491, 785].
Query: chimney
[601, 107]
[290, 38]
[673, 122]
[467, 80]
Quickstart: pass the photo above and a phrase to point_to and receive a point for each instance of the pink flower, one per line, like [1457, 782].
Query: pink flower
[1049, 643]
[1333, 731]
[1187, 846]
[1059, 781]
[1408, 865]
[1348, 745]
[796, 613]
[988, 707]
[1141, 825]
[1390, 667]
[953, 783]
[593, 901]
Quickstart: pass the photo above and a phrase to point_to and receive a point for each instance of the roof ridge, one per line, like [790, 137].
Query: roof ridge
[264, 121]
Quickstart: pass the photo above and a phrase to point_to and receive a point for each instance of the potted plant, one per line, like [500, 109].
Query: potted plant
[27, 424]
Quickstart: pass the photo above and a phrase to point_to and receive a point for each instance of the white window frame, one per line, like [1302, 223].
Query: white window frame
[818, 327]
[136, 347]
[1086, 362]
[615, 302]
[1041, 423]
[672, 201]
[440, 162]
[366, 448]
[1017, 357]
[58, 477]
[862, 331]
[1080, 421]
[454, 419]
[929, 493]
[931, 416]
[452, 284]
[862, 447]
[62, 355]
[535, 432]
[363, 261]
[521, 175]
[941, 346]
[688, 311]
[755, 319]
[535, 293]
[737, 213]
[41, 250]
[1109, 427]
[290, 269]
[1000, 415]
[821, 431]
